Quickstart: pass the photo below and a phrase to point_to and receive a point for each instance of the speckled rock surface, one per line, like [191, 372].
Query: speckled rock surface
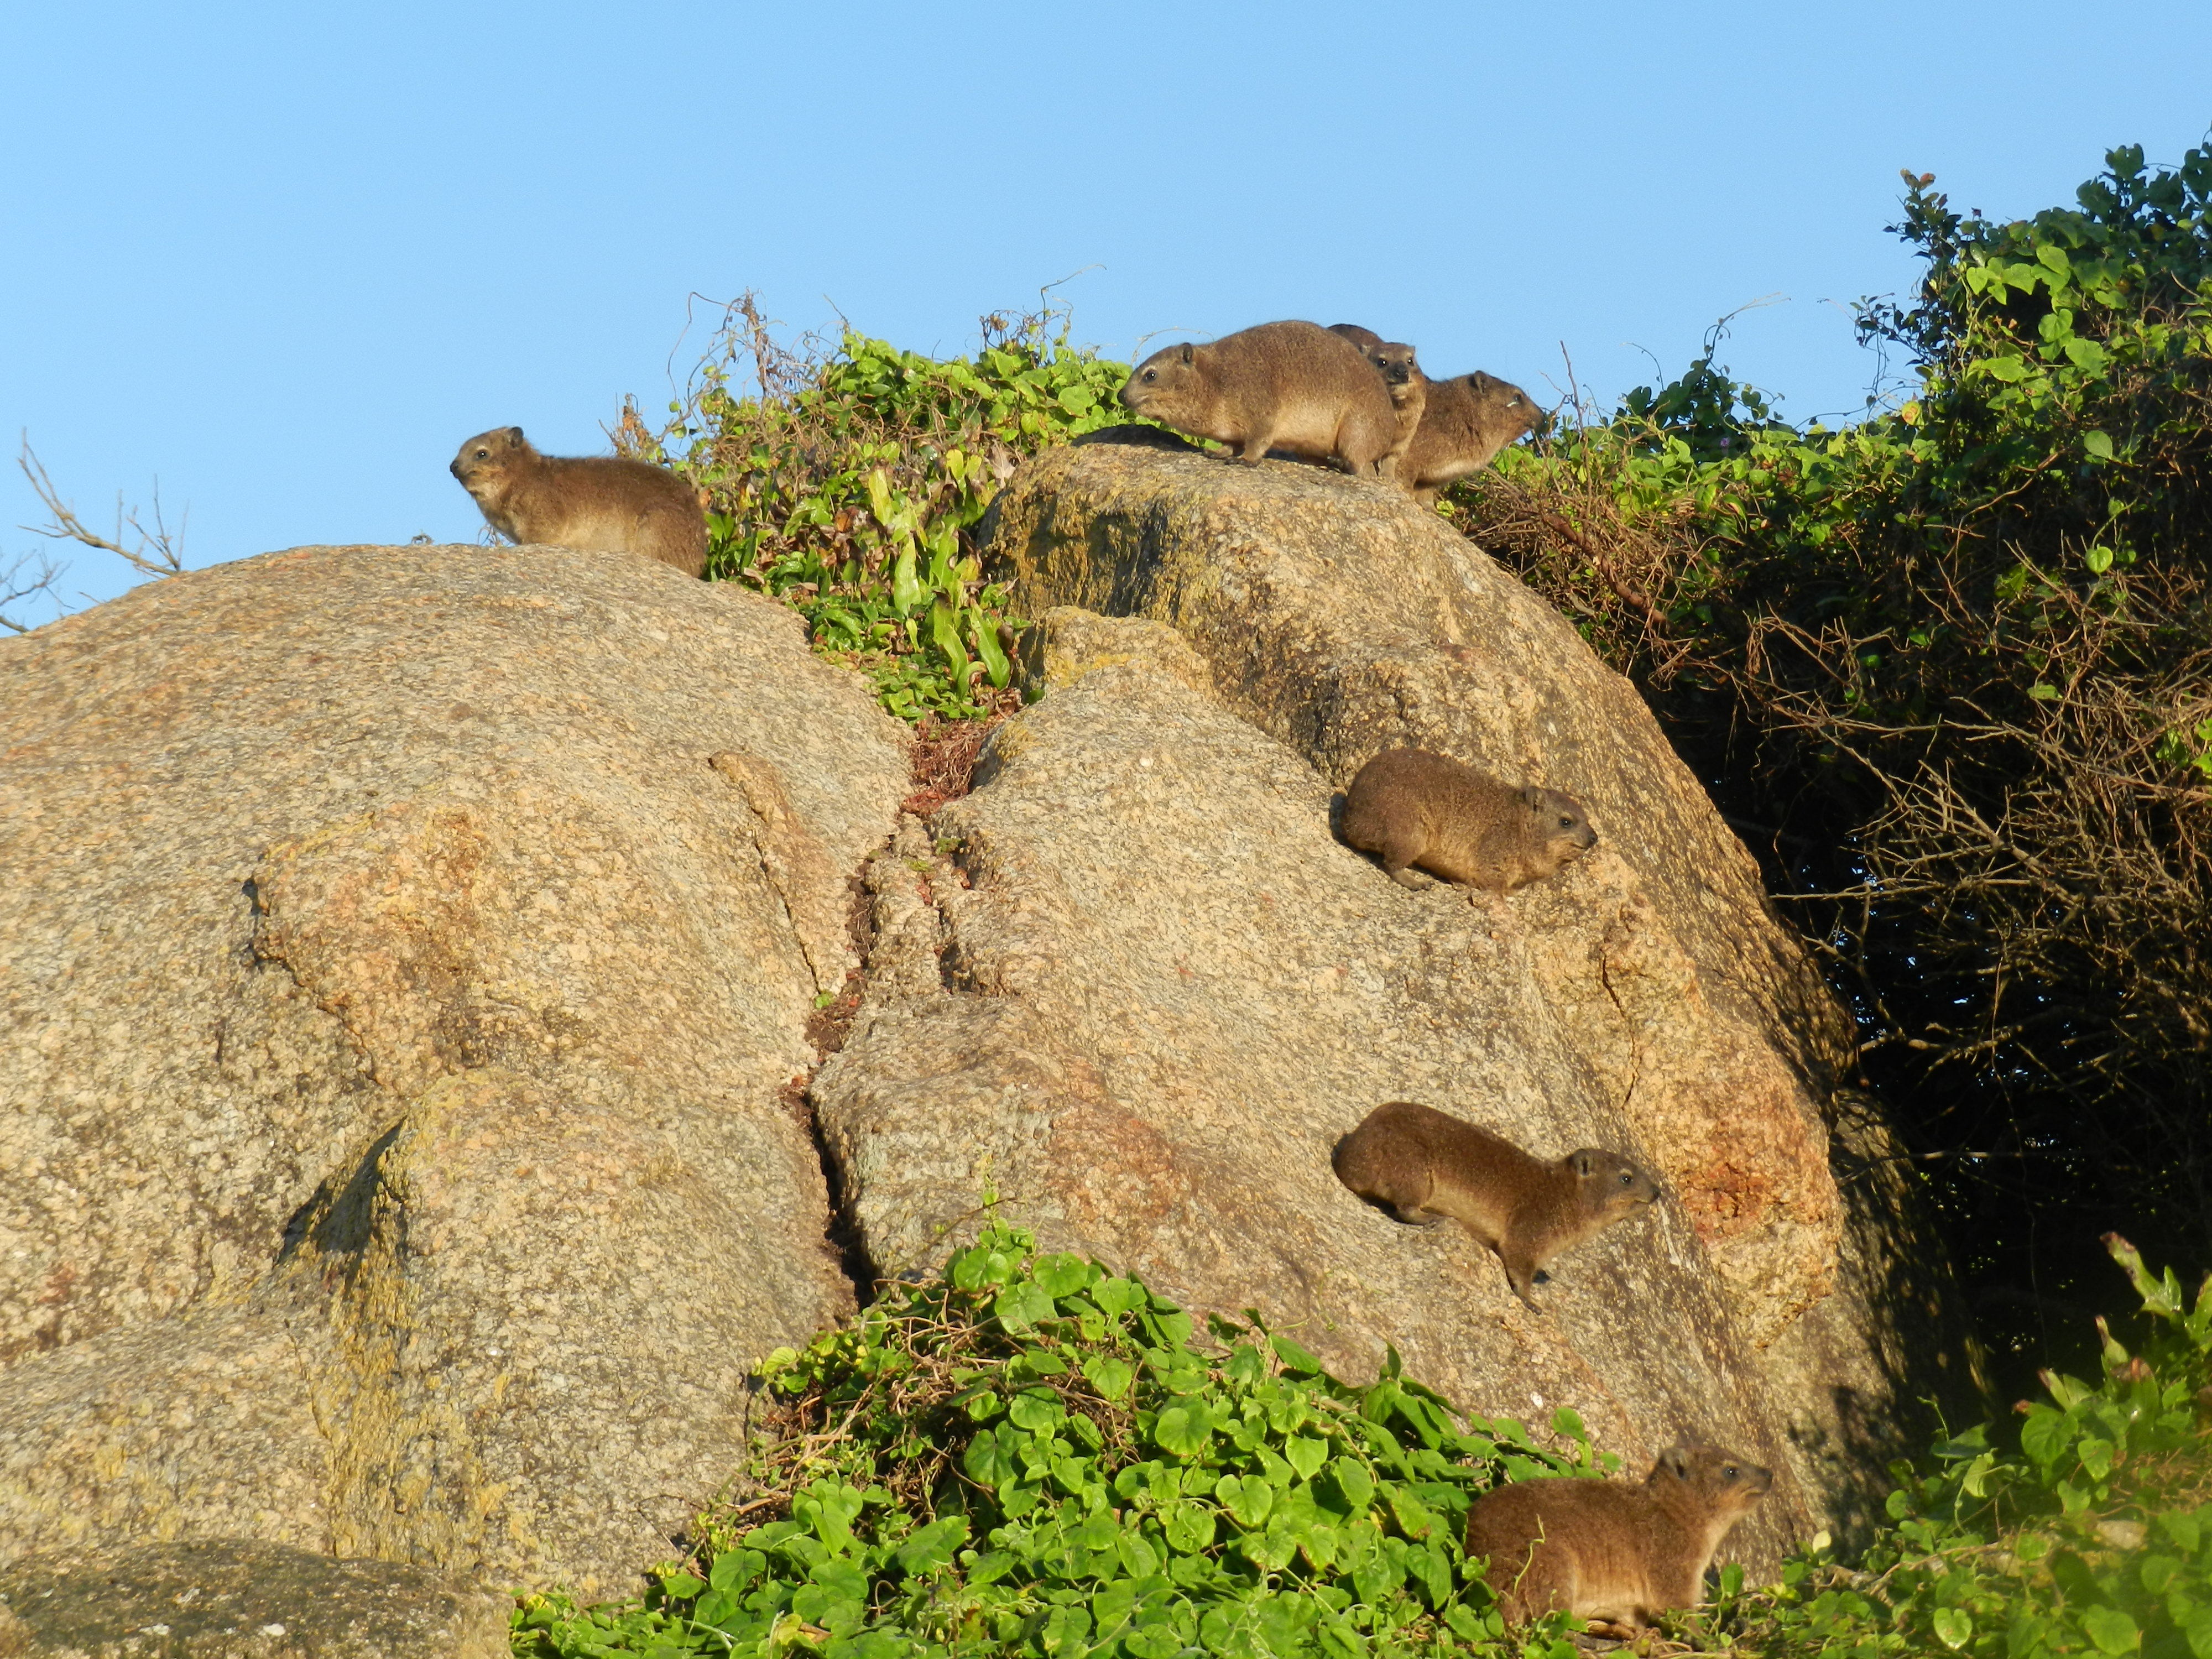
[1342, 618]
[405, 954]
[1150, 990]
[238, 1599]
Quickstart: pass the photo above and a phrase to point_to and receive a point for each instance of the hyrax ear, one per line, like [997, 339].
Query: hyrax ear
[1189, 353]
[1584, 1163]
[514, 437]
[1675, 1460]
[1532, 797]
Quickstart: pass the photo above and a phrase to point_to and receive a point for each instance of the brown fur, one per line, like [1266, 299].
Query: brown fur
[1409, 397]
[1365, 338]
[596, 504]
[1422, 1165]
[1291, 385]
[1607, 1550]
[1465, 422]
[1427, 811]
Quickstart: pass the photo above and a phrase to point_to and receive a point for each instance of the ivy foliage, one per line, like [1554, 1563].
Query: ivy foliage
[2092, 1538]
[1029, 1455]
[848, 483]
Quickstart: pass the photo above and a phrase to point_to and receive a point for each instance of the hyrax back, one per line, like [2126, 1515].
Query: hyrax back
[596, 504]
[1465, 422]
[1609, 1549]
[1427, 811]
[1291, 385]
[1423, 1165]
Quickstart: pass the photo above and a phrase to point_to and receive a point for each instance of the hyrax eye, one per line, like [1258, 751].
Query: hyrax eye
[1626, 1179]
[1728, 1473]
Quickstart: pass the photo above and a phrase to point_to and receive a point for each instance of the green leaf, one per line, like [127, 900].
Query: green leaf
[2096, 1456]
[2091, 359]
[985, 634]
[1118, 1296]
[2097, 445]
[1038, 1411]
[681, 1586]
[2044, 1436]
[986, 1461]
[933, 1545]
[2043, 691]
[2112, 1630]
[1953, 1627]
[2098, 559]
[827, 1509]
[1189, 1526]
[907, 590]
[734, 1569]
[1305, 1455]
[1019, 1307]
[1353, 1480]
[945, 630]
[1062, 1274]
[2010, 370]
[1184, 1429]
[1109, 1375]
[1414, 1519]
[1247, 1497]
[1293, 1358]
[1470, 1626]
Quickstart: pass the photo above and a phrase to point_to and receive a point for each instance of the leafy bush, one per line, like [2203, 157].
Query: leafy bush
[2095, 1538]
[1029, 1456]
[1951, 670]
[848, 483]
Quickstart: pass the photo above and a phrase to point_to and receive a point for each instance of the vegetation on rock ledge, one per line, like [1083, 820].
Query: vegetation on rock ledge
[1031, 1456]
[848, 481]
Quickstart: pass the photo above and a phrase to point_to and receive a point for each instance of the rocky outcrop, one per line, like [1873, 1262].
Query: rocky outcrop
[411, 961]
[406, 957]
[1135, 990]
[233, 1599]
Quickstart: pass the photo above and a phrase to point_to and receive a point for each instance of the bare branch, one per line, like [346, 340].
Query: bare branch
[158, 551]
[25, 578]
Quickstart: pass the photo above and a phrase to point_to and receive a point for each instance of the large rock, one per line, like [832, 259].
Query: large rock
[1147, 990]
[406, 957]
[233, 1599]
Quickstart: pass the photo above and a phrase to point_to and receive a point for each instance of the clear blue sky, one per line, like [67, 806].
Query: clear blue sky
[286, 258]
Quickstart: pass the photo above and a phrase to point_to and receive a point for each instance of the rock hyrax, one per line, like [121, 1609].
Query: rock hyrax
[1465, 422]
[1365, 338]
[596, 504]
[1415, 808]
[1409, 397]
[1609, 1549]
[1293, 386]
[1422, 1165]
